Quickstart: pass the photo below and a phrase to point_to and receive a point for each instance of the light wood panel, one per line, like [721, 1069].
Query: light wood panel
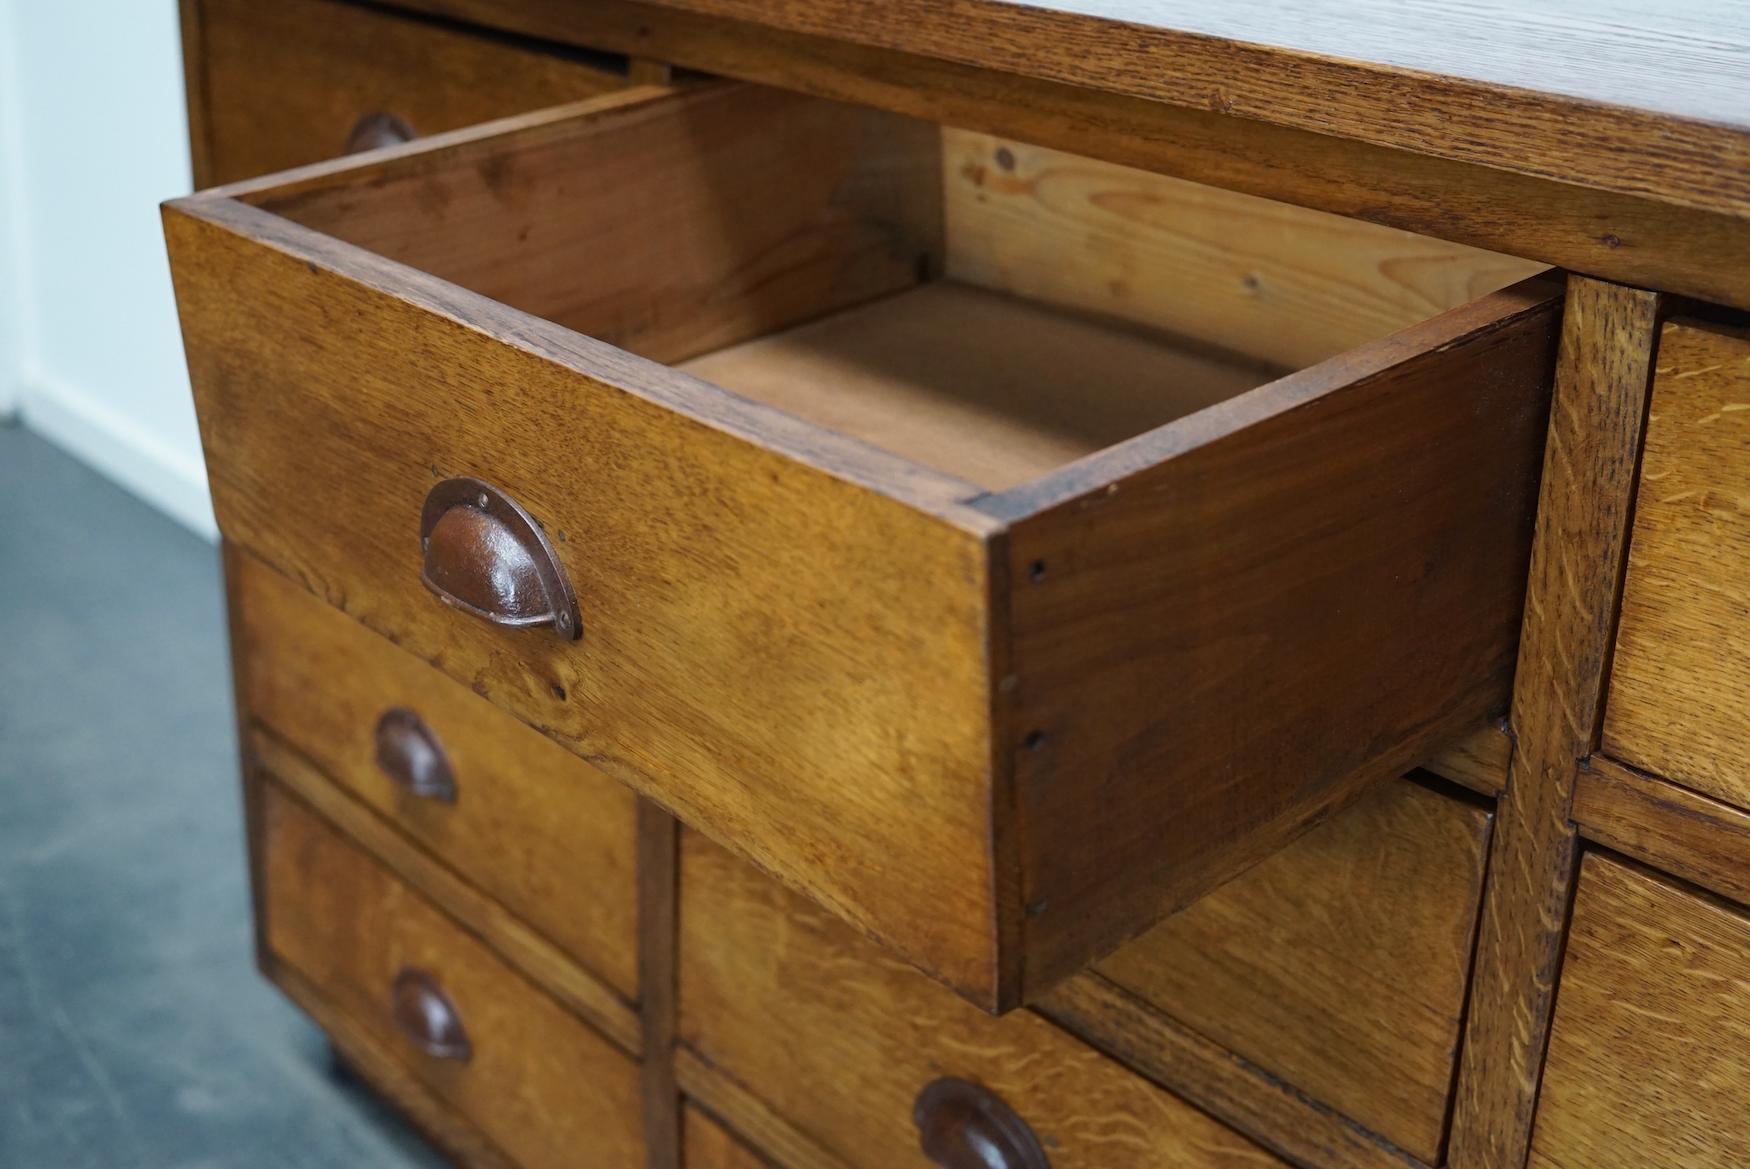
[710, 1146]
[1339, 965]
[987, 388]
[1699, 838]
[1583, 511]
[283, 84]
[532, 825]
[1274, 282]
[839, 1037]
[537, 1081]
[1649, 1054]
[1478, 760]
[1680, 682]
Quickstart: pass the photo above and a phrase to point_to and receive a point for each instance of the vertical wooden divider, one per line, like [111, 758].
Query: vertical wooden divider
[658, 940]
[1609, 333]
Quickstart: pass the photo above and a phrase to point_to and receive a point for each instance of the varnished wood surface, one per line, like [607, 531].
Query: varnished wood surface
[711, 1146]
[658, 972]
[537, 1082]
[283, 84]
[726, 1096]
[1650, 1050]
[604, 1008]
[1266, 280]
[988, 388]
[1680, 684]
[1231, 562]
[839, 1038]
[1478, 760]
[1632, 232]
[1697, 837]
[1605, 365]
[1339, 965]
[533, 825]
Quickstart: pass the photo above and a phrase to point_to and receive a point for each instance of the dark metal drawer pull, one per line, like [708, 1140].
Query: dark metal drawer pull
[962, 1125]
[376, 130]
[425, 1014]
[409, 754]
[486, 556]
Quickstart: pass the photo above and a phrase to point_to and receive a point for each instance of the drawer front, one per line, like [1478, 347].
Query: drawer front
[709, 1145]
[1649, 1053]
[1680, 680]
[812, 648]
[296, 81]
[525, 821]
[1341, 964]
[841, 1040]
[528, 1074]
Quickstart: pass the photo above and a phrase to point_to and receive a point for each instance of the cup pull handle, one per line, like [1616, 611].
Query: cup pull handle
[375, 130]
[425, 1014]
[488, 557]
[962, 1125]
[410, 754]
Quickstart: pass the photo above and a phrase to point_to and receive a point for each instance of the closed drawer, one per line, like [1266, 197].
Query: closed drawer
[536, 1082]
[862, 1055]
[520, 818]
[1649, 1054]
[279, 85]
[709, 1145]
[1340, 965]
[1680, 681]
[999, 628]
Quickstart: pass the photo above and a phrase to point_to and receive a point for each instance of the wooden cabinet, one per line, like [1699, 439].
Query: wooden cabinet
[854, 551]
[531, 1079]
[1650, 1051]
[1680, 684]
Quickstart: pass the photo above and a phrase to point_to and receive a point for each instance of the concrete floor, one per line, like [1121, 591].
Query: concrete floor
[134, 1031]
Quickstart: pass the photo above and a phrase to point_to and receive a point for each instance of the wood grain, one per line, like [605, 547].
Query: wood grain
[1680, 681]
[533, 826]
[538, 1083]
[1278, 283]
[1648, 1053]
[1339, 965]
[1479, 760]
[531, 953]
[724, 670]
[710, 1146]
[1639, 234]
[280, 85]
[1698, 838]
[991, 389]
[1216, 565]
[658, 972]
[839, 1037]
[1605, 365]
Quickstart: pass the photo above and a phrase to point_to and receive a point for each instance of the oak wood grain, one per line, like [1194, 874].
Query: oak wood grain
[537, 1082]
[1166, 583]
[658, 971]
[1680, 681]
[508, 936]
[1697, 837]
[1632, 232]
[1268, 280]
[533, 826]
[1647, 1056]
[1478, 760]
[839, 1037]
[283, 84]
[711, 1146]
[727, 1097]
[1339, 965]
[1596, 420]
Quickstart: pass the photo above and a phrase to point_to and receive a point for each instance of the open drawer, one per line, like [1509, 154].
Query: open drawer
[934, 520]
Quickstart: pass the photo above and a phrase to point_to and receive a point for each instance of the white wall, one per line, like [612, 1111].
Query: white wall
[95, 137]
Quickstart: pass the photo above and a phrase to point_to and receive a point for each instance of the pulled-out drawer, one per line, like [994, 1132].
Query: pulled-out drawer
[520, 818]
[1000, 627]
[530, 1080]
[1649, 1051]
[882, 1069]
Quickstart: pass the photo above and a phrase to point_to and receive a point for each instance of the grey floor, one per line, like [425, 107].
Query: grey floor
[134, 1031]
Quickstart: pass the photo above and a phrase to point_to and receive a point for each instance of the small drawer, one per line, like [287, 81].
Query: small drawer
[279, 85]
[1649, 1051]
[872, 1062]
[530, 1076]
[990, 611]
[1679, 700]
[517, 816]
[1341, 965]
[709, 1145]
